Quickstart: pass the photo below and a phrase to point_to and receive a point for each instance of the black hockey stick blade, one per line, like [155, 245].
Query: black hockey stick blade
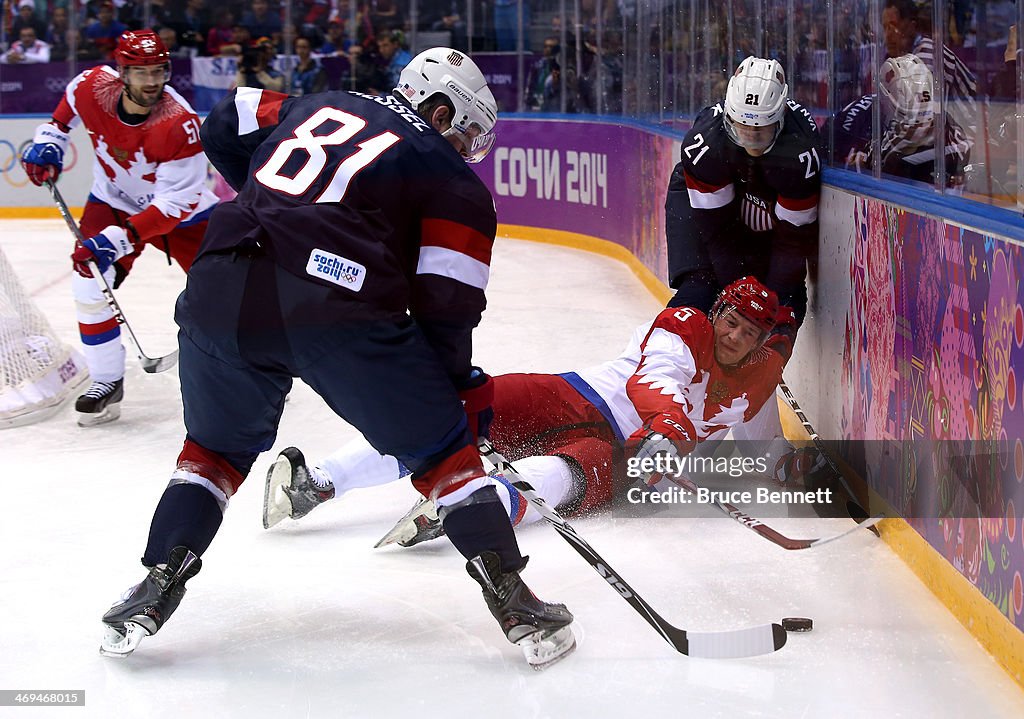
[734, 644]
[149, 364]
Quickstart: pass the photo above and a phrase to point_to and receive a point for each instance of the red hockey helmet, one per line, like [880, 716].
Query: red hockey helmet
[752, 300]
[141, 47]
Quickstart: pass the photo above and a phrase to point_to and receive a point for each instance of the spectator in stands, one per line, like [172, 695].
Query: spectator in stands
[552, 100]
[27, 18]
[540, 70]
[390, 45]
[337, 42]
[222, 34]
[308, 76]
[445, 16]
[135, 14]
[289, 33]
[240, 41]
[386, 15]
[102, 35]
[190, 22]
[255, 67]
[89, 12]
[312, 14]
[506, 24]
[261, 22]
[27, 48]
[170, 39]
[58, 35]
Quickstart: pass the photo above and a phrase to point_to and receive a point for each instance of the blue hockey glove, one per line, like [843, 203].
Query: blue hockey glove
[104, 249]
[44, 158]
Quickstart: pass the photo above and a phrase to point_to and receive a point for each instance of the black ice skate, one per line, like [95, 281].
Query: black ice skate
[100, 404]
[541, 629]
[289, 491]
[420, 524]
[144, 608]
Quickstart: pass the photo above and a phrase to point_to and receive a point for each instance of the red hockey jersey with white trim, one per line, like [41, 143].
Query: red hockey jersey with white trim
[155, 171]
[669, 366]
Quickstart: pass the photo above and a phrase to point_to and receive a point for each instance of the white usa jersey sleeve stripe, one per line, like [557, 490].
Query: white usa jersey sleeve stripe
[247, 104]
[711, 200]
[797, 218]
[454, 265]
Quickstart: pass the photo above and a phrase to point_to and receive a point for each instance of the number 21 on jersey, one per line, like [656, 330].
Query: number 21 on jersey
[305, 140]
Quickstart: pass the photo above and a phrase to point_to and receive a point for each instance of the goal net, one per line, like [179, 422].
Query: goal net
[38, 372]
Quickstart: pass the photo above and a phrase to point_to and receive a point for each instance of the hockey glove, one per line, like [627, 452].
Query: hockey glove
[477, 395]
[783, 335]
[664, 436]
[799, 465]
[104, 249]
[44, 158]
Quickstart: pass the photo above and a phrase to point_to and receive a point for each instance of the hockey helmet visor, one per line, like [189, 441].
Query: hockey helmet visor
[474, 143]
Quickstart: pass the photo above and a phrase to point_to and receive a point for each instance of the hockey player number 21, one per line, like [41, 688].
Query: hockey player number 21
[312, 145]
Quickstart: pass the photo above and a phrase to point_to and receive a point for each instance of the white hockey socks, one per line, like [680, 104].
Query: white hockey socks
[357, 464]
[550, 477]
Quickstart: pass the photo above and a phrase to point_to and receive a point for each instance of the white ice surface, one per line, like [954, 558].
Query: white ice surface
[308, 620]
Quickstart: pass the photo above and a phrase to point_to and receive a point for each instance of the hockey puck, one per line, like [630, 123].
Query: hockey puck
[797, 624]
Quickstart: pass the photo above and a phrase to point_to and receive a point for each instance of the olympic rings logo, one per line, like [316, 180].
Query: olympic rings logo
[10, 165]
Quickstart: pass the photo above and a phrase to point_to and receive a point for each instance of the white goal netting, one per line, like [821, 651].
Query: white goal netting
[37, 371]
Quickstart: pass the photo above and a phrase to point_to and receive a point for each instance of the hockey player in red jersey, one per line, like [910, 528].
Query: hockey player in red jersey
[685, 380]
[743, 200]
[355, 257]
[148, 189]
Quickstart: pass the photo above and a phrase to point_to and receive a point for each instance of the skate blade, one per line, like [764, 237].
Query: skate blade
[405, 528]
[118, 645]
[92, 419]
[276, 503]
[544, 649]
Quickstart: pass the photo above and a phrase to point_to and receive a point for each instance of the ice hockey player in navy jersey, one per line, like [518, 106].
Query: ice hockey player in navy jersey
[743, 200]
[355, 257]
[907, 143]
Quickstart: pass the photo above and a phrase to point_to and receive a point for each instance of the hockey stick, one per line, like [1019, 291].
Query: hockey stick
[763, 529]
[738, 643]
[857, 512]
[149, 364]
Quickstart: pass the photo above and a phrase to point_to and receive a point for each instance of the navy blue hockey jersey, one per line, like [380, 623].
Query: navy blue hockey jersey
[360, 194]
[776, 192]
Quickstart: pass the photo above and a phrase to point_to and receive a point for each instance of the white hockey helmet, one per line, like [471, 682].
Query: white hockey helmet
[907, 87]
[756, 98]
[448, 71]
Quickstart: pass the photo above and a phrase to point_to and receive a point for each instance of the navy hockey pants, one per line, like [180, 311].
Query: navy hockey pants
[248, 327]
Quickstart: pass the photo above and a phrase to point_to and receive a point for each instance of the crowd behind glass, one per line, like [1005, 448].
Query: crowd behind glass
[659, 61]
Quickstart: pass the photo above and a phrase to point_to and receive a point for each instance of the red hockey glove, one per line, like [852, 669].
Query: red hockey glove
[783, 335]
[44, 158]
[104, 249]
[477, 395]
[664, 435]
